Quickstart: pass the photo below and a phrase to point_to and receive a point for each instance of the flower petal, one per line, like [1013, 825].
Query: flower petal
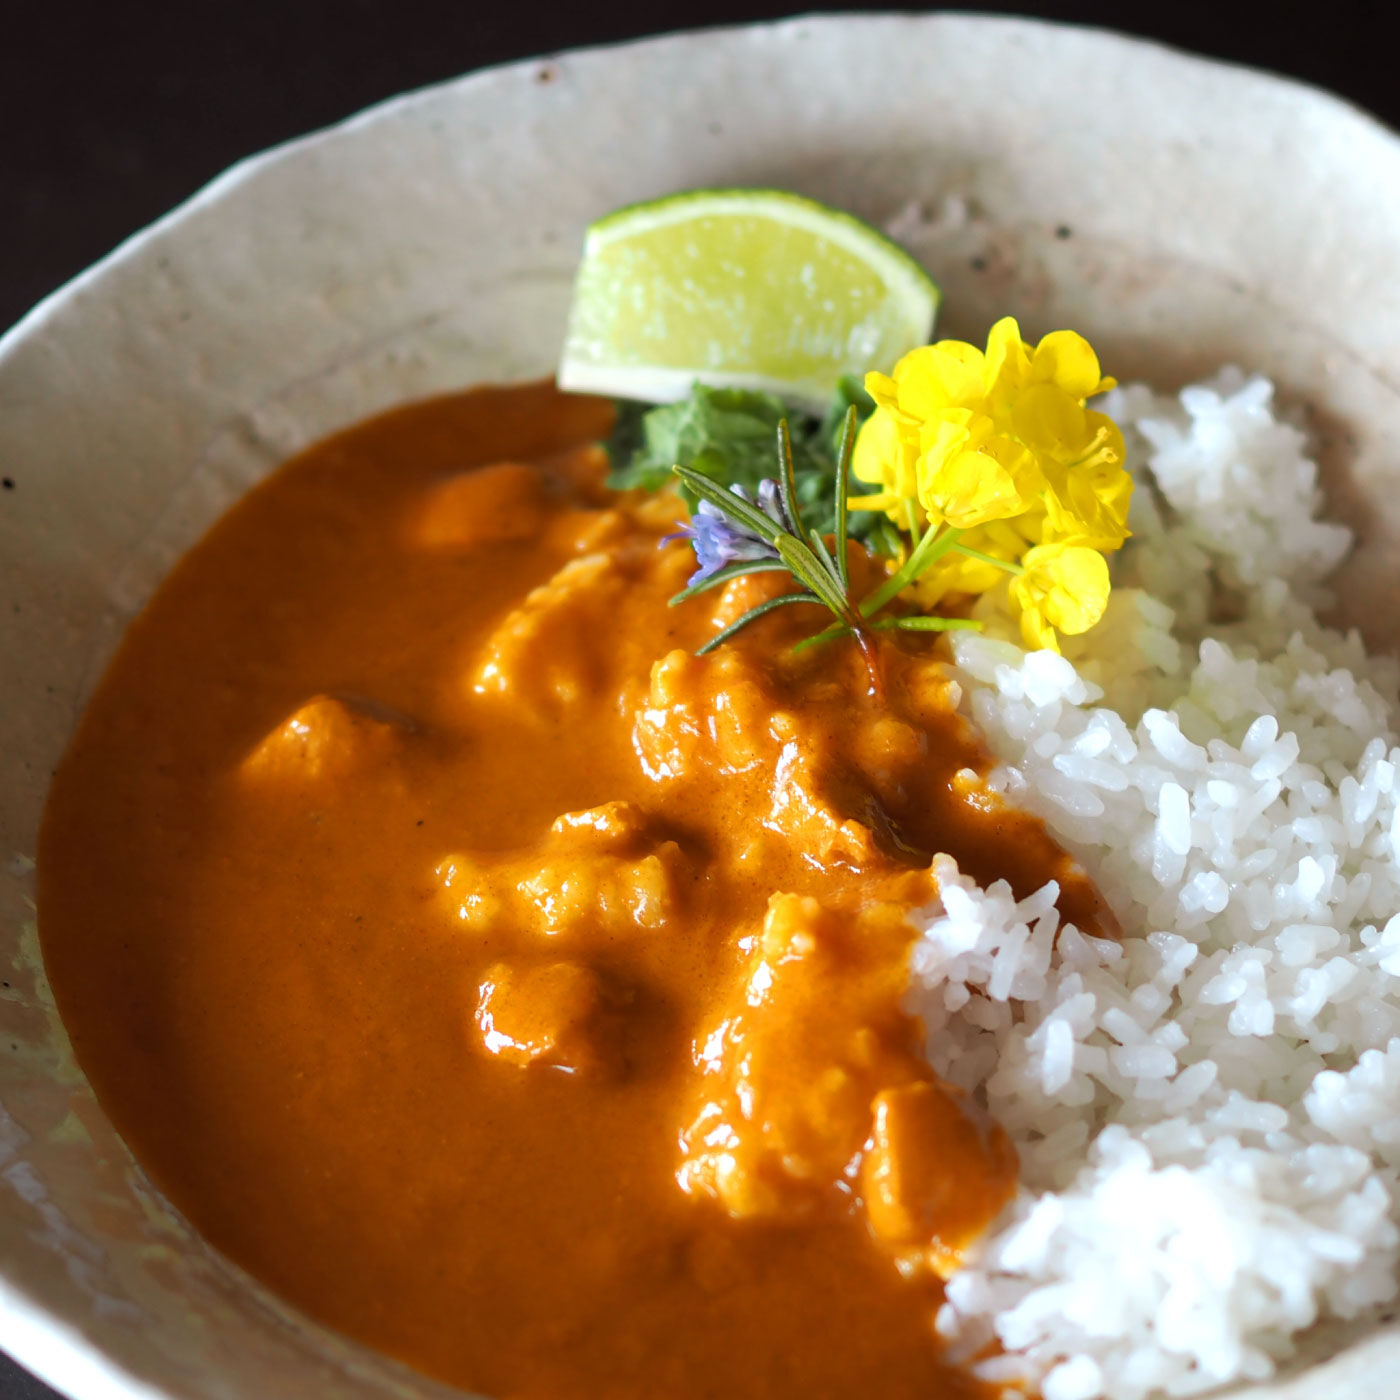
[1067, 360]
[938, 377]
[1008, 360]
[1066, 582]
[1049, 420]
[1036, 633]
[971, 487]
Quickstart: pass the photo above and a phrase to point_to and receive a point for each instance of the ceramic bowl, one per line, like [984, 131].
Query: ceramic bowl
[1180, 213]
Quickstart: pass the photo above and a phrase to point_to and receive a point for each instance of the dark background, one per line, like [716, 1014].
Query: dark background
[110, 113]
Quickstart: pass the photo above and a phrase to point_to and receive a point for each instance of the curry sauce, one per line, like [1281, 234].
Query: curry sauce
[500, 982]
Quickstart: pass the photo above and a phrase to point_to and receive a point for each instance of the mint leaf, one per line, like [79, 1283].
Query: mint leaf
[728, 434]
[731, 436]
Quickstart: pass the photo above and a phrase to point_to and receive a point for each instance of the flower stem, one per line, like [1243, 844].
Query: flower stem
[1007, 564]
[934, 545]
[921, 623]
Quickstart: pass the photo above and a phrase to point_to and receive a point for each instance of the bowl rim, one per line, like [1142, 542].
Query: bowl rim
[249, 167]
[47, 1343]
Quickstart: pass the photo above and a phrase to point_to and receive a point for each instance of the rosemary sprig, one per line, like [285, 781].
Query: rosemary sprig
[727, 434]
[735, 533]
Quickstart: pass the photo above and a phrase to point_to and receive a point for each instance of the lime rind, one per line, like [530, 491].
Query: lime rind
[765, 289]
[799, 209]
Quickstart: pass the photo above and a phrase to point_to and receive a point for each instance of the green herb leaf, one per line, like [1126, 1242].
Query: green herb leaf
[754, 613]
[828, 634]
[735, 507]
[727, 435]
[787, 484]
[809, 570]
[843, 515]
[628, 434]
[738, 569]
[818, 546]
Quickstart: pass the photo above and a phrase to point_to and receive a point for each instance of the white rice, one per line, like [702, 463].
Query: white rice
[1208, 1113]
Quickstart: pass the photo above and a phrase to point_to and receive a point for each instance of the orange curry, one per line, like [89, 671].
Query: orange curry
[500, 982]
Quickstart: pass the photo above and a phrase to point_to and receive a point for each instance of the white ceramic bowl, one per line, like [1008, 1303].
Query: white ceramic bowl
[1179, 212]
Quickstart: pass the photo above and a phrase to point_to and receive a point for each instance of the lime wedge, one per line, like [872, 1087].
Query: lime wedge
[755, 289]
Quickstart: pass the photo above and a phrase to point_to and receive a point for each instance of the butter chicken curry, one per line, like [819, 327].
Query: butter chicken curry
[500, 982]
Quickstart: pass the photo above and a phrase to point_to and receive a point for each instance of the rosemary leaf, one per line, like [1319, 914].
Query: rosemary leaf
[828, 634]
[787, 484]
[843, 476]
[823, 553]
[807, 569]
[735, 507]
[738, 569]
[753, 614]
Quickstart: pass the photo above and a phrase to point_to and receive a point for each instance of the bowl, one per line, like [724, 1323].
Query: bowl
[1179, 212]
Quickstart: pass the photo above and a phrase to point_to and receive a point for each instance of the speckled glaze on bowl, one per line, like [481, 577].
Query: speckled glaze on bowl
[1179, 212]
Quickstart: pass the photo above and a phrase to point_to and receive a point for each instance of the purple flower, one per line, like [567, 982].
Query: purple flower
[719, 540]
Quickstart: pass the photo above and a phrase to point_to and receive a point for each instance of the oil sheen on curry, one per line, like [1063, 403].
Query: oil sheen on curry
[500, 982]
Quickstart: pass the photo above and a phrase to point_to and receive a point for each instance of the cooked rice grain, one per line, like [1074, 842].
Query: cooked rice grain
[1208, 1113]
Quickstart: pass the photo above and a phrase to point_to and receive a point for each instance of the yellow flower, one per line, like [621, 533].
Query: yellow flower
[1019, 409]
[999, 446]
[1063, 359]
[1089, 503]
[1065, 586]
[883, 457]
[968, 475]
